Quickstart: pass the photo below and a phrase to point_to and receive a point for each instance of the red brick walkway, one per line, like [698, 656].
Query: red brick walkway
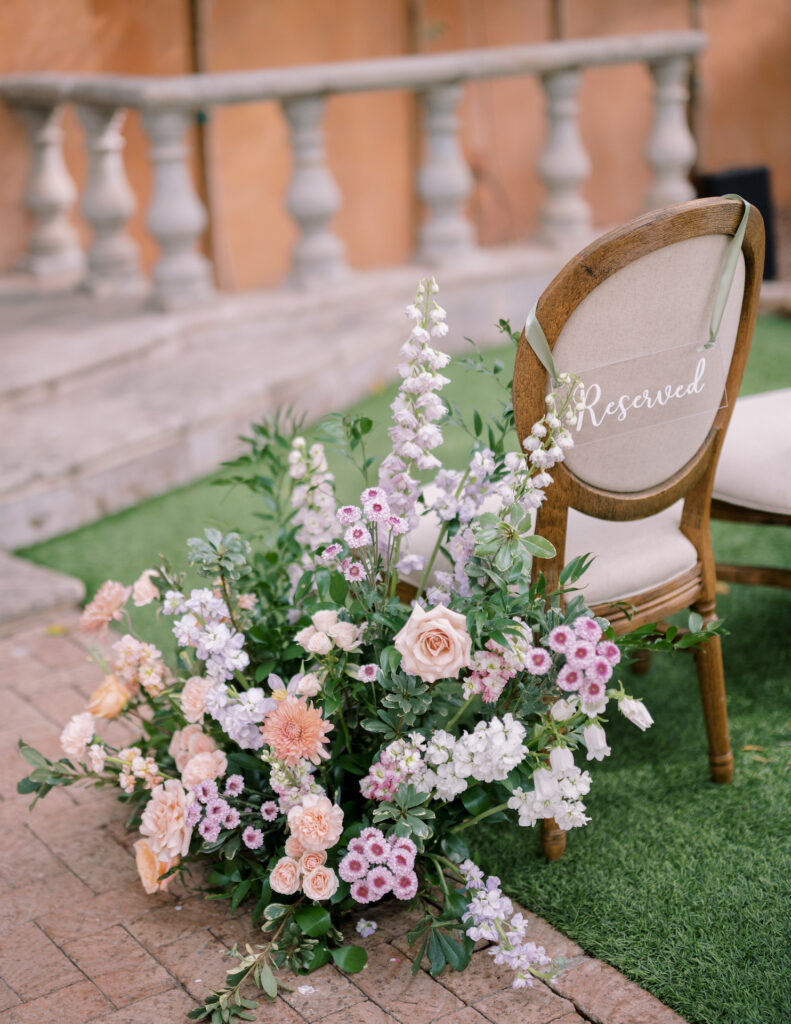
[80, 941]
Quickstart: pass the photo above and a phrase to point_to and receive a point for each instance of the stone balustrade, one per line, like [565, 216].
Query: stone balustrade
[176, 218]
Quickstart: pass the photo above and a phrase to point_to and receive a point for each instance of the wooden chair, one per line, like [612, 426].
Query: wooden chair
[630, 311]
[753, 480]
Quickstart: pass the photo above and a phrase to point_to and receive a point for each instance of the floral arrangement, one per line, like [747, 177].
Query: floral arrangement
[326, 736]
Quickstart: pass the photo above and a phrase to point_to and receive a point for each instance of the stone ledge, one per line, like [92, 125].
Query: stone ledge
[28, 590]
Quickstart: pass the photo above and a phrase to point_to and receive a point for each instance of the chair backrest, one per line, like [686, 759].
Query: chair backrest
[630, 315]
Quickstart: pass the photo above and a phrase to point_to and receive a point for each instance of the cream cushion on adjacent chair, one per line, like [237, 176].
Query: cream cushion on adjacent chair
[631, 557]
[754, 470]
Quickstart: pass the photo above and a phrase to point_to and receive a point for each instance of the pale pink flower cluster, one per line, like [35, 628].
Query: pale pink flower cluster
[417, 407]
[556, 794]
[218, 814]
[399, 764]
[494, 667]
[588, 662]
[135, 766]
[107, 605]
[292, 784]
[77, 734]
[370, 527]
[313, 495]
[137, 663]
[376, 866]
[196, 756]
[327, 631]
[491, 917]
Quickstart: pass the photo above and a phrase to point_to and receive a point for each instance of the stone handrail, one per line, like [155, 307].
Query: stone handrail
[176, 217]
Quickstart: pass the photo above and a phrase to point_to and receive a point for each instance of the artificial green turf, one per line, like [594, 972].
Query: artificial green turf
[682, 885]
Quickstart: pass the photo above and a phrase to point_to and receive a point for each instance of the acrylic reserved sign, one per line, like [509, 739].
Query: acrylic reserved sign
[649, 390]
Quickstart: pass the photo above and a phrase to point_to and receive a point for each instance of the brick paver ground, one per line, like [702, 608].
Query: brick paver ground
[80, 941]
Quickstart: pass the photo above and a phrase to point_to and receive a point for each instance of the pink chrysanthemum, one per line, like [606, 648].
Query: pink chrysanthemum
[593, 690]
[206, 790]
[296, 730]
[209, 829]
[405, 886]
[559, 638]
[217, 808]
[539, 661]
[330, 554]
[354, 572]
[361, 891]
[106, 606]
[234, 785]
[599, 669]
[580, 654]
[269, 810]
[588, 629]
[381, 880]
[401, 861]
[357, 536]
[405, 843]
[371, 832]
[397, 524]
[357, 846]
[377, 850]
[609, 650]
[349, 514]
[231, 819]
[368, 673]
[353, 866]
[252, 837]
[570, 678]
[373, 494]
[377, 510]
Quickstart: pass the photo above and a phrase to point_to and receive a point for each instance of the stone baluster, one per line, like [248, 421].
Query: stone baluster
[671, 148]
[176, 217]
[54, 250]
[444, 181]
[313, 197]
[564, 164]
[107, 204]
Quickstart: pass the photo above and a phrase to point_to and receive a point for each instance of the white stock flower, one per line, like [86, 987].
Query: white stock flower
[78, 732]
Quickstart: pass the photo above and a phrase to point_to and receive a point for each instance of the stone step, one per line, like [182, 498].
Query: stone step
[147, 402]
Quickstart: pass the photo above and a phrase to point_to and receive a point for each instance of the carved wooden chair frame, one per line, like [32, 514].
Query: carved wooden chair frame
[693, 482]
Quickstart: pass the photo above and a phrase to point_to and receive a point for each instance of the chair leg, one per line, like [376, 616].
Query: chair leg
[711, 680]
[553, 839]
[641, 662]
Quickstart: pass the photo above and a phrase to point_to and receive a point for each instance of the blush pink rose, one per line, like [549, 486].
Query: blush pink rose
[320, 884]
[311, 860]
[193, 697]
[434, 645]
[316, 822]
[164, 821]
[346, 635]
[309, 685]
[294, 848]
[285, 876]
[319, 644]
[151, 869]
[211, 764]
[187, 742]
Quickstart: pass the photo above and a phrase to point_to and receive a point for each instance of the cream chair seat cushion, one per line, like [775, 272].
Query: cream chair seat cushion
[754, 470]
[630, 557]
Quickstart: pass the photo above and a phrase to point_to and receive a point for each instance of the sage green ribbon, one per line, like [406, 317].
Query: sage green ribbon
[537, 340]
[728, 271]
